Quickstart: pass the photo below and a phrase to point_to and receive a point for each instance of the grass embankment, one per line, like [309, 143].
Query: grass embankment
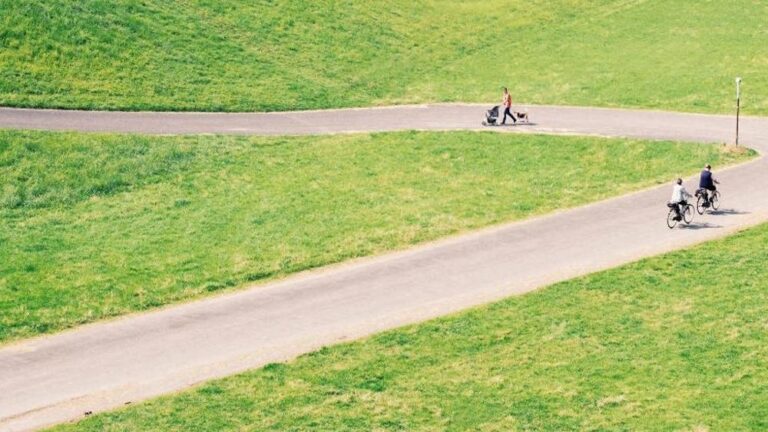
[93, 226]
[284, 55]
[678, 342]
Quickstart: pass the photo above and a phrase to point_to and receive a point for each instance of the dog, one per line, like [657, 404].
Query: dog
[522, 116]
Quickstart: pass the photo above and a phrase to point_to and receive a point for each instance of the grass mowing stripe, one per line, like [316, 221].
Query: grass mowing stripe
[677, 342]
[240, 55]
[94, 226]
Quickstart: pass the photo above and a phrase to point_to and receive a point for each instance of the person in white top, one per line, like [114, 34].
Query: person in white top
[679, 197]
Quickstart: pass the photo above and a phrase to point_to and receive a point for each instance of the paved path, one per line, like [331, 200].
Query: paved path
[105, 365]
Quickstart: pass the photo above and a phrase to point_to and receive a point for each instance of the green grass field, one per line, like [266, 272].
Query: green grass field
[664, 344]
[240, 55]
[93, 226]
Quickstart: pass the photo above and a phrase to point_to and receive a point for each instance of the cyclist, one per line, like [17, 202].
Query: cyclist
[707, 182]
[679, 197]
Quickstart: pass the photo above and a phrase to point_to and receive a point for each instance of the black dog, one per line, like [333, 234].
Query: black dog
[522, 116]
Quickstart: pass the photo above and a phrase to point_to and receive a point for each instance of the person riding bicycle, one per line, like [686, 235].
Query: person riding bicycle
[679, 197]
[707, 182]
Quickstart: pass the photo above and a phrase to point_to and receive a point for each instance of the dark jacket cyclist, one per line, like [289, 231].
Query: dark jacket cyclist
[707, 181]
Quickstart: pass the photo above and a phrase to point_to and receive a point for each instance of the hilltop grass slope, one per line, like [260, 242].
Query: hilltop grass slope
[242, 55]
[672, 343]
[93, 226]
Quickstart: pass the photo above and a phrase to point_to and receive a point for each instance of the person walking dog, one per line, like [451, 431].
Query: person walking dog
[507, 102]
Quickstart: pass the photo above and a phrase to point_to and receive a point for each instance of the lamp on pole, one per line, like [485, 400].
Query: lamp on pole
[738, 106]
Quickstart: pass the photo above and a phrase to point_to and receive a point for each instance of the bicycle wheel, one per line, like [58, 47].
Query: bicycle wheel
[715, 201]
[688, 214]
[700, 209]
[671, 222]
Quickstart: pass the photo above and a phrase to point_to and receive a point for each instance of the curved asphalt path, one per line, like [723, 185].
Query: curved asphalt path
[104, 365]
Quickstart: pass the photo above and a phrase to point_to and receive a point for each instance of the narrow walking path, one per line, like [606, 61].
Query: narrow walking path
[106, 365]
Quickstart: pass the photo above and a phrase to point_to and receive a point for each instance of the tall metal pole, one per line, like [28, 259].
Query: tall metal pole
[738, 107]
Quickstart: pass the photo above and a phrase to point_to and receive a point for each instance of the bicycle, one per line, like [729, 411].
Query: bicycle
[686, 215]
[704, 201]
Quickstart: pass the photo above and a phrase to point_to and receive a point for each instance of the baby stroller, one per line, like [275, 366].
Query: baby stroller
[491, 116]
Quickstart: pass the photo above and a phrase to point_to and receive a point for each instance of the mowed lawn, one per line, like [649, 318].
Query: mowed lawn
[243, 55]
[672, 343]
[93, 226]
